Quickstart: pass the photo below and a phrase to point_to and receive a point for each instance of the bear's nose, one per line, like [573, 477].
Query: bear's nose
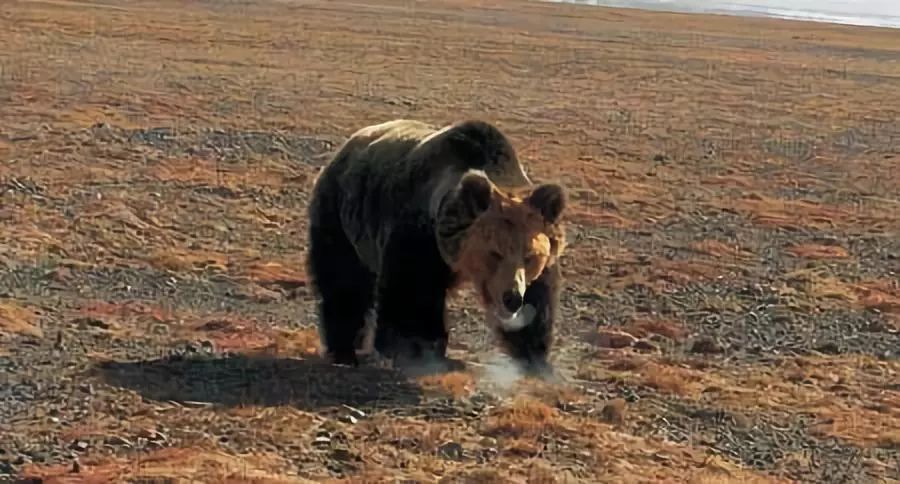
[512, 300]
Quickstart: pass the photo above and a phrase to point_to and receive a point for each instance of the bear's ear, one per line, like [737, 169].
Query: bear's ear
[549, 199]
[475, 193]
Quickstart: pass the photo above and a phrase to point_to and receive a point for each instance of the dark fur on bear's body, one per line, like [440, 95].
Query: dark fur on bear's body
[373, 238]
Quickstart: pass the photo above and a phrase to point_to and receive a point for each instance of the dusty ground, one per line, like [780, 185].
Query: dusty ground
[735, 211]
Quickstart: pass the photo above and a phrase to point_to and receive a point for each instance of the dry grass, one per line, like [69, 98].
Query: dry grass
[181, 464]
[456, 384]
[16, 319]
[525, 418]
[847, 394]
[818, 251]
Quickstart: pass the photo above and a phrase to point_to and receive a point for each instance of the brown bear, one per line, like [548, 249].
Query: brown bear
[404, 213]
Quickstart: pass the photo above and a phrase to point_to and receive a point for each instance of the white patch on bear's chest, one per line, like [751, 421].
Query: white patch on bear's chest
[523, 317]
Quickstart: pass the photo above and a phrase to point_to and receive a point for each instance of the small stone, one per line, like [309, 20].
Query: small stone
[116, 440]
[741, 421]
[829, 348]
[343, 455]
[349, 419]
[84, 323]
[79, 445]
[355, 411]
[488, 442]
[645, 346]
[195, 404]
[706, 346]
[153, 435]
[451, 451]
[322, 441]
[614, 412]
[60, 274]
[610, 338]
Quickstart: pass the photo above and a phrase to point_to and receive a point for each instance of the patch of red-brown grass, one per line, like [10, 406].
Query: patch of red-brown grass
[864, 427]
[173, 463]
[226, 331]
[198, 170]
[733, 181]
[115, 210]
[644, 326]
[477, 476]
[99, 308]
[818, 251]
[719, 249]
[816, 287]
[683, 272]
[293, 343]
[550, 393]
[234, 334]
[676, 378]
[28, 232]
[717, 470]
[179, 259]
[849, 394]
[651, 200]
[880, 294]
[456, 384]
[525, 418]
[597, 217]
[276, 273]
[16, 319]
[409, 433]
[797, 214]
[664, 275]
[282, 423]
[125, 318]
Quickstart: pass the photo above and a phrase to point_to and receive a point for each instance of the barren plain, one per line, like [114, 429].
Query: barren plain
[731, 310]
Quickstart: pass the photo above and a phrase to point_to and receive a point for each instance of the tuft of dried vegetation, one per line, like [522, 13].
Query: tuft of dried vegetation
[17, 319]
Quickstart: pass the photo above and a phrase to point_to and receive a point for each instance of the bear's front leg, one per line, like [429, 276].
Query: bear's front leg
[412, 289]
[529, 345]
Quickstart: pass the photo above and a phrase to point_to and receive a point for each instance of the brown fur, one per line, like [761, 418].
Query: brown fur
[509, 236]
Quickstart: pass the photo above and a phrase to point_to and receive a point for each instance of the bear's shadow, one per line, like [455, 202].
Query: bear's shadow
[308, 384]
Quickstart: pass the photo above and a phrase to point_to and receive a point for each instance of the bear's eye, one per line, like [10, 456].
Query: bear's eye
[496, 256]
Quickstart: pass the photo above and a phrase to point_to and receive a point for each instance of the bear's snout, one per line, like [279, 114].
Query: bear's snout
[512, 300]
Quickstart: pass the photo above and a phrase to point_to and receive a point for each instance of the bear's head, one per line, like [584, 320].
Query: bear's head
[503, 241]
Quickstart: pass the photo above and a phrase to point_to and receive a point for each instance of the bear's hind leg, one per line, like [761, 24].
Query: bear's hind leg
[345, 290]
